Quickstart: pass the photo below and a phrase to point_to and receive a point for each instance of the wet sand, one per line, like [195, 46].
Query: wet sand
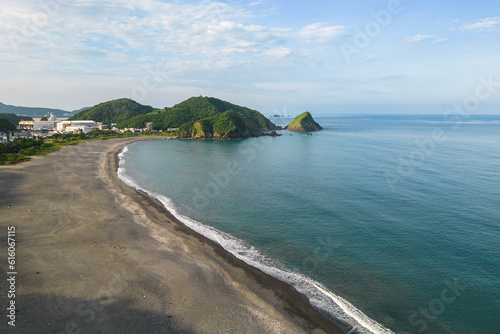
[95, 256]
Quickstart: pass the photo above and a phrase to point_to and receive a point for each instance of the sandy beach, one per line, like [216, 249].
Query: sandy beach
[95, 256]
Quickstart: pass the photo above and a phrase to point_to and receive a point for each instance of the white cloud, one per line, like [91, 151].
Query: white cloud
[279, 52]
[127, 28]
[321, 32]
[369, 58]
[255, 3]
[201, 46]
[417, 38]
[491, 23]
[127, 32]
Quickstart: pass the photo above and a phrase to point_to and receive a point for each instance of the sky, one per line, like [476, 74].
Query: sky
[276, 56]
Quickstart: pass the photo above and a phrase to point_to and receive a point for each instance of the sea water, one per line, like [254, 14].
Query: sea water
[386, 223]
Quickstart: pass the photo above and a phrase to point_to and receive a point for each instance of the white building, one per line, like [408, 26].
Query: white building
[78, 126]
[37, 125]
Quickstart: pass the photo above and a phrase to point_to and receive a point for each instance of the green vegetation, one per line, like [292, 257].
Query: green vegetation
[6, 125]
[113, 111]
[205, 117]
[44, 118]
[14, 119]
[197, 117]
[21, 149]
[228, 125]
[304, 123]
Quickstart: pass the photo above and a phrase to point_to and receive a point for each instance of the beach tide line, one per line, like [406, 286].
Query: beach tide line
[339, 309]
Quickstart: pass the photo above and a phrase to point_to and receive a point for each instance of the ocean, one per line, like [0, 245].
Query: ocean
[386, 223]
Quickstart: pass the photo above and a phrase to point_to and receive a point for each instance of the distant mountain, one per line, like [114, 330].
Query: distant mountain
[113, 111]
[30, 111]
[74, 112]
[205, 117]
[304, 123]
[14, 119]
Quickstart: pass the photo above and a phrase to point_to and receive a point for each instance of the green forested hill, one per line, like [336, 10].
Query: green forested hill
[228, 125]
[6, 125]
[113, 111]
[14, 119]
[207, 110]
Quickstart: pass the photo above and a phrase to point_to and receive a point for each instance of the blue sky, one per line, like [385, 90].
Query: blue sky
[341, 57]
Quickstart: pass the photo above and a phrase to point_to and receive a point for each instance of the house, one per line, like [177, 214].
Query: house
[133, 130]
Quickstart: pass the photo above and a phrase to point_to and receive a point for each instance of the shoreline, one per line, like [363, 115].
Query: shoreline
[130, 257]
[295, 301]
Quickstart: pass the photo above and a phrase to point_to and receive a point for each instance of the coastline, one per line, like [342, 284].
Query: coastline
[130, 257]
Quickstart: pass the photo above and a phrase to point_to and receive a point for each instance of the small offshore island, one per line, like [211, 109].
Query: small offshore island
[304, 123]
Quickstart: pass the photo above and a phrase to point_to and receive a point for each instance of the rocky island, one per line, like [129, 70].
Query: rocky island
[304, 123]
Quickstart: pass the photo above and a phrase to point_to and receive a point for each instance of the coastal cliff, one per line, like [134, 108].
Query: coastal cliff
[228, 125]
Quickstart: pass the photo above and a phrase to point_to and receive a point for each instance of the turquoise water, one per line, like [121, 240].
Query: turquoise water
[398, 215]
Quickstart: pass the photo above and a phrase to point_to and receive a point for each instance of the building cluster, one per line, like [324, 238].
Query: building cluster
[51, 126]
[61, 126]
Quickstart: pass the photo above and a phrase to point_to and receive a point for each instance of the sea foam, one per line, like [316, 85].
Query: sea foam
[337, 308]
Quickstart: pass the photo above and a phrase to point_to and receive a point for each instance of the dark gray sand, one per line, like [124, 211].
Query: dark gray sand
[95, 256]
